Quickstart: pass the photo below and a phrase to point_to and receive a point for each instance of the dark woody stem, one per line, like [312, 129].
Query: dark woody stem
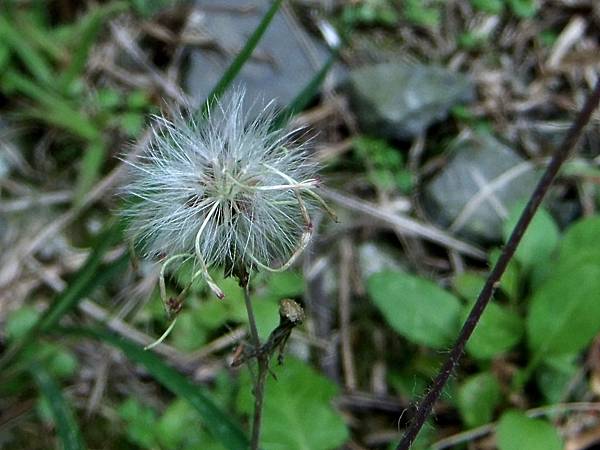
[424, 409]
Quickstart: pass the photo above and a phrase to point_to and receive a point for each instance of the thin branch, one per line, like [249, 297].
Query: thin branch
[424, 408]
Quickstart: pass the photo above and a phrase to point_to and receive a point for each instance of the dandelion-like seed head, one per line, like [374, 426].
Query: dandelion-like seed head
[227, 191]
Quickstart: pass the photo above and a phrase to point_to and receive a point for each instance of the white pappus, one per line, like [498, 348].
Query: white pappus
[225, 191]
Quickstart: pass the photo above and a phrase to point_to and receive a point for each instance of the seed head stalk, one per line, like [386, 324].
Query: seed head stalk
[231, 192]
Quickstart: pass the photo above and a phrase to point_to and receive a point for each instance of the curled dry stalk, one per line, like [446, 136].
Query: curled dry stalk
[291, 315]
[423, 410]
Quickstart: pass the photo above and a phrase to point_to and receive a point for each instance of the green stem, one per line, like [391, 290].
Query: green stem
[263, 370]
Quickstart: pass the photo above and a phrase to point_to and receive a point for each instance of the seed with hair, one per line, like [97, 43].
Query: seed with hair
[226, 191]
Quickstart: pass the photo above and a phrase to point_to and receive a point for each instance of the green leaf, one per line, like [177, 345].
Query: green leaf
[188, 335]
[554, 376]
[581, 237]
[468, 285]
[66, 426]
[218, 423]
[20, 322]
[243, 56]
[565, 312]
[498, 330]
[297, 410]
[416, 308]
[178, 428]
[478, 397]
[523, 8]
[488, 6]
[417, 12]
[141, 423]
[538, 242]
[516, 431]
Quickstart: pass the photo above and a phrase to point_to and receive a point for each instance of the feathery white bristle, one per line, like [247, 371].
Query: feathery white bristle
[234, 186]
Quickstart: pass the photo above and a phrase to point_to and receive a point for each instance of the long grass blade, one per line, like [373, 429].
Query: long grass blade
[306, 95]
[87, 32]
[36, 64]
[239, 61]
[67, 429]
[217, 422]
[90, 276]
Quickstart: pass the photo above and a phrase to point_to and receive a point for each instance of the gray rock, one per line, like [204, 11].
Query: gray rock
[474, 192]
[375, 257]
[400, 100]
[285, 60]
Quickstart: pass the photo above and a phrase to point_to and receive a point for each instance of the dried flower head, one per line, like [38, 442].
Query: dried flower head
[226, 191]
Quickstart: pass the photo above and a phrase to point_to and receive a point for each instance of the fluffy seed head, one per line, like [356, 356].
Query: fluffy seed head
[225, 191]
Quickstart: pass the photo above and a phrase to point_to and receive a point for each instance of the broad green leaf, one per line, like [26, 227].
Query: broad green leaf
[538, 242]
[498, 330]
[468, 285]
[516, 431]
[140, 423]
[284, 285]
[19, 322]
[416, 308]
[243, 56]
[564, 314]
[188, 334]
[478, 397]
[217, 422]
[297, 410]
[67, 429]
[523, 8]
[554, 376]
[488, 6]
[178, 428]
[581, 237]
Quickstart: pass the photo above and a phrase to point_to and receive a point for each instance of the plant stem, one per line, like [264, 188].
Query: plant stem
[263, 369]
[424, 409]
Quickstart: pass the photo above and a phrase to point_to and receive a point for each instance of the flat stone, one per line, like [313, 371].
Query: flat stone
[397, 100]
[285, 60]
[479, 185]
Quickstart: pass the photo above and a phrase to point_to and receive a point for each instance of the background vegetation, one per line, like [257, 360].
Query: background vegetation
[385, 289]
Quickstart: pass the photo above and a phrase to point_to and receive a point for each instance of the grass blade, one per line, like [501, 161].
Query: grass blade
[30, 58]
[307, 93]
[89, 277]
[215, 420]
[239, 61]
[89, 172]
[67, 429]
[51, 108]
[86, 33]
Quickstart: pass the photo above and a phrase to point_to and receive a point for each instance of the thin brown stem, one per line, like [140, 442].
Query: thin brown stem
[263, 369]
[424, 409]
